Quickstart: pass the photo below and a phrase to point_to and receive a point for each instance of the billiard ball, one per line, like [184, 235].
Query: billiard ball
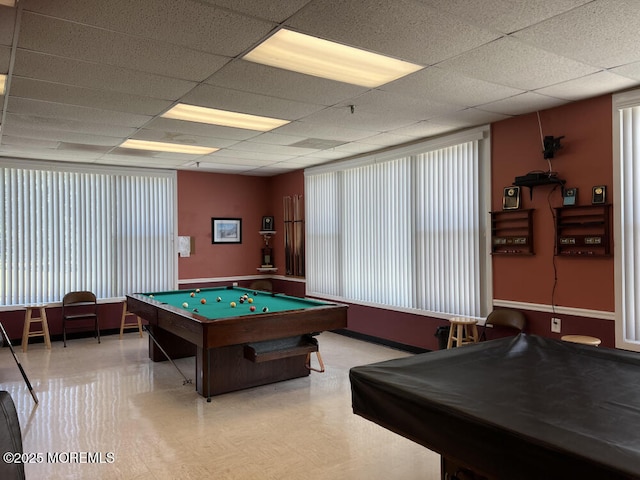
[151, 296]
[241, 300]
[218, 299]
[252, 308]
[255, 293]
[197, 290]
[195, 310]
[192, 294]
[185, 304]
[233, 304]
[203, 301]
[250, 300]
[265, 309]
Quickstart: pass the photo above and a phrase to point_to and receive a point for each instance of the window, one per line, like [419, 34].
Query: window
[626, 174]
[405, 230]
[108, 231]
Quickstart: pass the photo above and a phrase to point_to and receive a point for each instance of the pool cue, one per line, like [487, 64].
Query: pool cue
[24, 375]
[186, 380]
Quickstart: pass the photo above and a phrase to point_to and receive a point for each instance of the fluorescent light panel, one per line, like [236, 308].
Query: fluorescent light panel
[213, 116]
[322, 58]
[167, 147]
[3, 83]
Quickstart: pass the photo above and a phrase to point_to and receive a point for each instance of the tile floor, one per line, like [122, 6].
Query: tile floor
[110, 399]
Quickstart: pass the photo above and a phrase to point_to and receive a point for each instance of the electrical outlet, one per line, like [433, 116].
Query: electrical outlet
[556, 325]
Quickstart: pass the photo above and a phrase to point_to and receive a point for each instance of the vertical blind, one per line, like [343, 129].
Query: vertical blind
[111, 233]
[629, 234]
[404, 232]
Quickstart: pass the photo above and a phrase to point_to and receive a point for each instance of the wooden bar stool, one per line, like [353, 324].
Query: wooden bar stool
[124, 325]
[582, 339]
[463, 330]
[44, 327]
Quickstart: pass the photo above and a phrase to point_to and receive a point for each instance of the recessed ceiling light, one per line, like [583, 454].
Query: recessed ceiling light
[213, 116]
[167, 147]
[3, 83]
[322, 58]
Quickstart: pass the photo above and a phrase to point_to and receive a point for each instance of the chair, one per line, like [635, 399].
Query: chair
[77, 307]
[10, 438]
[505, 318]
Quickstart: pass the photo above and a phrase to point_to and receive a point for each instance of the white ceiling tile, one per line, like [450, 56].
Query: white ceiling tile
[7, 21]
[60, 135]
[5, 59]
[27, 106]
[515, 64]
[271, 138]
[258, 156]
[523, 103]
[277, 11]
[469, 117]
[589, 86]
[54, 124]
[195, 25]
[85, 97]
[181, 138]
[631, 70]
[387, 139]
[403, 29]
[423, 129]
[67, 39]
[244, 102]
[275, 82]
[602, 33]
[364, 117]
[98, 76]
[200, 129]
[326, 131]
[389, 104]
[506, 16]
[268, 148]
[450, 87]
[29, 142]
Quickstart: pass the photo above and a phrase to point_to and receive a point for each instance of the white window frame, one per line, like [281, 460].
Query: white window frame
[114, 246]
[482, 136]
[626, 226]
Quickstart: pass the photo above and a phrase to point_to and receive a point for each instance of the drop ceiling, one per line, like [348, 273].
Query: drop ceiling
[84, 76]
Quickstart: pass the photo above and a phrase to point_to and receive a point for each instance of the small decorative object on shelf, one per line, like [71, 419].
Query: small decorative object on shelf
[267, 252]
[511, 198]
[267, 224]
[583, 231]
[599, 194]
[512, 232]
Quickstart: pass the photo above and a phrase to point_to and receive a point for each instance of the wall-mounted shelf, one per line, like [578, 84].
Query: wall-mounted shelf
[583, 231]
[512, 232]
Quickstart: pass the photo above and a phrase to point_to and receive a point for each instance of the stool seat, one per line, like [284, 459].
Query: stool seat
[128, 325]
[582, 339]
[27, 333]
[462, 330]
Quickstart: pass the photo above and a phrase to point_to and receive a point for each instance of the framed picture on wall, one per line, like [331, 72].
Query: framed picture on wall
[226, 230]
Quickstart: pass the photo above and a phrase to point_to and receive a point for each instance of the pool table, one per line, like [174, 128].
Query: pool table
[527, 408]
[235, 347]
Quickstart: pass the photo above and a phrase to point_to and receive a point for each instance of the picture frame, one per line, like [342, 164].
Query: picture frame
[511, 198]
[226, 230]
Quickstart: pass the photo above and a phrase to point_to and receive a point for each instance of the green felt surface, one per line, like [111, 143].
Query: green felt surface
[213, 309]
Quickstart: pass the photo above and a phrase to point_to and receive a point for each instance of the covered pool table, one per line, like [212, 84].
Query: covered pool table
[235, 347]
[527, 408]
